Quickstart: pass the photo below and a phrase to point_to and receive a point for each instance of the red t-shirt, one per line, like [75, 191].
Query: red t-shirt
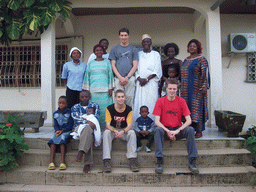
[171, 112]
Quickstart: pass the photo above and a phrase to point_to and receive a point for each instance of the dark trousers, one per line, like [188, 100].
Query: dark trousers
[187, 133]
[149, 137]
[72, 97]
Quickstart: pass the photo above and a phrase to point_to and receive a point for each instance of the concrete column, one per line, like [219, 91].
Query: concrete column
[213, 41]
[48, 73]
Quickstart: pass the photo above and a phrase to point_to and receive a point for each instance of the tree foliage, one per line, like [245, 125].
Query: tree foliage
[22, 17]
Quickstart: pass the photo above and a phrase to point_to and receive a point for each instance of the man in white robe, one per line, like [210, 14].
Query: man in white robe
[148, 76]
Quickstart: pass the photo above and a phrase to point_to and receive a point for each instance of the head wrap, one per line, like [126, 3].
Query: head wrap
[145, 36]
[73, 49]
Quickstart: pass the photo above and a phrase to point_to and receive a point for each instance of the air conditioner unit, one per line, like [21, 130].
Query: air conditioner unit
[242, 42]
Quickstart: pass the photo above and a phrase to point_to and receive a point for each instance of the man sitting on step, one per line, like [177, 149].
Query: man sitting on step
[119, 125]
[168, 113]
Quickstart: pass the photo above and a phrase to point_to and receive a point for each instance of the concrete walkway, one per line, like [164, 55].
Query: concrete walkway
[56, 188]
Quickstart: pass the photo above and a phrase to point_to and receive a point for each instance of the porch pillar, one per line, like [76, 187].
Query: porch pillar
[213, 41]
[48, 73]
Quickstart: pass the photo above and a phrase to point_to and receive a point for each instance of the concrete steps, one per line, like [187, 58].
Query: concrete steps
[176, 158]
[221, 162]
[172, 177]
[120, 145]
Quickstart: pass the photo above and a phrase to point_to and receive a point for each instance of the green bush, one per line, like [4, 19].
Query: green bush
[251, 141]
[12, 144]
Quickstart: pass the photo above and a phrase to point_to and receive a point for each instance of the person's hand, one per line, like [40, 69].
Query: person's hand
[110, 92]
[119, 134]
[146, 133]
[58, 133]
[91, 124]
[203, 90]
[123, 80]
[142, 81]
[171, 135]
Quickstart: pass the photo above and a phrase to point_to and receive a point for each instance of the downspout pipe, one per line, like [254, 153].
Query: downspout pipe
[217, 4]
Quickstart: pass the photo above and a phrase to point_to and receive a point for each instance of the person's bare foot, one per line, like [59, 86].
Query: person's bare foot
[79, 156]
[87, 169]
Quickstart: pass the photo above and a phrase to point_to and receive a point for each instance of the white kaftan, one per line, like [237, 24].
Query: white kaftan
[149, 63]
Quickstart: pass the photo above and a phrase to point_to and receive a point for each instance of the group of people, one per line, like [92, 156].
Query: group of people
[136, 79]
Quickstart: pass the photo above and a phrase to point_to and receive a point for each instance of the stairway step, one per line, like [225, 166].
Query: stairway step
[218, 176]
[117, 145]
[172, 158]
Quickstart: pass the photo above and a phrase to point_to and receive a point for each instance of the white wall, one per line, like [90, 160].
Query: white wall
[238, 96]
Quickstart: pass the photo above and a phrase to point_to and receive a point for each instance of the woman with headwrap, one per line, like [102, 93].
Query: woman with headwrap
[99, 80]
[148, 76]
[73, 75]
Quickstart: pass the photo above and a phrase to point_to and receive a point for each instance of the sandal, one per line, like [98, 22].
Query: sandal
[198, 134]
[87, 169]
[51, 166]
[62, 166]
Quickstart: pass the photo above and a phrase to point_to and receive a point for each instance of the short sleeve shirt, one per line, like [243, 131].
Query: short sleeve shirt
[171, 112]
[124, 56]
[75, 75]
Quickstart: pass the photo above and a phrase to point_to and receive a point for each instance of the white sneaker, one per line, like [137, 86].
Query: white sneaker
[139, 148]
[148, 150]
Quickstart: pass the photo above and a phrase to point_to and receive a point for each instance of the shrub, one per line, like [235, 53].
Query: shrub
[12, 144]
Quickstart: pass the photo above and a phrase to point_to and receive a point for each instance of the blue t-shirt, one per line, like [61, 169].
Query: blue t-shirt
[75, 75]
[124, 56]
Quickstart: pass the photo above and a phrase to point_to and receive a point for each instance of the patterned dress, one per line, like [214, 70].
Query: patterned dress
[195, 75]
[98, 80]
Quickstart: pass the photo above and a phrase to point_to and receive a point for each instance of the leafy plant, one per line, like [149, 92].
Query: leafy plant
[12, 144]
[22, 17]
[251, 141]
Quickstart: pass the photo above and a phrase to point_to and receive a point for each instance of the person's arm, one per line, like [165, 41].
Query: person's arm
[159, 124]
[113, 65]
[64, 74]
[152, 127]
[69, 125]
[86, 81]
[56, 125]
[136, 128]
[75, 114]
[204, 74]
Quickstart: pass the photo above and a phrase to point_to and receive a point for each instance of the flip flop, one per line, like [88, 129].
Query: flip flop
[51, 166]
[63, 166]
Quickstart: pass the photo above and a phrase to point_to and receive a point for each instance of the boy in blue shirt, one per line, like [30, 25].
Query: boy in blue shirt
[144, 129]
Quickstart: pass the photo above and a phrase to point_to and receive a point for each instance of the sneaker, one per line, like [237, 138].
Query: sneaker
[139, 148]
[148, 150]
[194, 170]
[134, 165]
[107, 166]
[192, 165]
[159, 165]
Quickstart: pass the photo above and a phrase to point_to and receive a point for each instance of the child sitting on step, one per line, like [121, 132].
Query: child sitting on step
[63, 124]
[144, 129]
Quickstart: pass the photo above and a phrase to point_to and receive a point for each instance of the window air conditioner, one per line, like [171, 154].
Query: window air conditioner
[242, 42]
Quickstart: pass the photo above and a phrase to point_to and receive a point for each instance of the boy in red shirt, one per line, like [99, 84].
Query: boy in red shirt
[168, 113]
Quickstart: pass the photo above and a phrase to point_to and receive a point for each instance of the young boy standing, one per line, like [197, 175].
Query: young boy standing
[63, 124]
[144, 129]
[124, 61]
[119, 125]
